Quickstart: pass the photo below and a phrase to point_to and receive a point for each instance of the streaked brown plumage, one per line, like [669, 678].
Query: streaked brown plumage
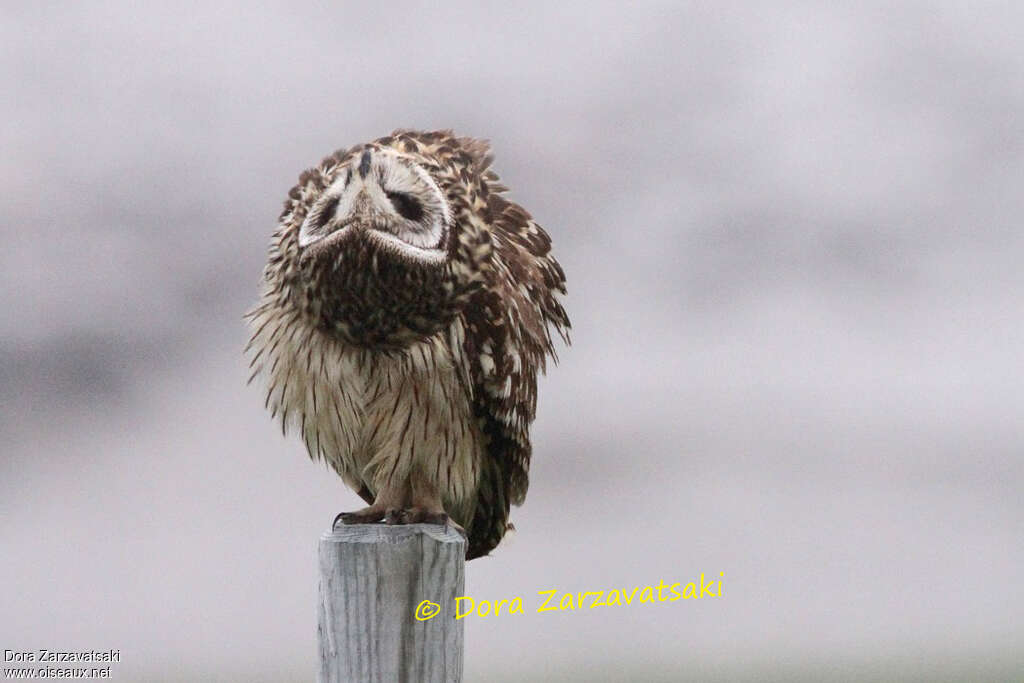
[406, 312]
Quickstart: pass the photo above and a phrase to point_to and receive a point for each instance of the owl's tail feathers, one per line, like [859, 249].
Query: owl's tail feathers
[490, 519]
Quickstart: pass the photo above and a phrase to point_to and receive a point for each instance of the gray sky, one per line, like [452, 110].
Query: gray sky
[792, 238]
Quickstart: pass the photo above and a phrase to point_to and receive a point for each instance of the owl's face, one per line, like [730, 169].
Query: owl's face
[383, 197]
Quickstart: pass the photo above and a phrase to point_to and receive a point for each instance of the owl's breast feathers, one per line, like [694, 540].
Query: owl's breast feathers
[374, 299]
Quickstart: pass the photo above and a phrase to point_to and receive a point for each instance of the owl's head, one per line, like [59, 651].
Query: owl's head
[380, 244]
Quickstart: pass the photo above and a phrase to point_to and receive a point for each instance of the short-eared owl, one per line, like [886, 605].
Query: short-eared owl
[405, 314]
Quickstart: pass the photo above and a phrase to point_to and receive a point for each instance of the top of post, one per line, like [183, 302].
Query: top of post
[397, 533]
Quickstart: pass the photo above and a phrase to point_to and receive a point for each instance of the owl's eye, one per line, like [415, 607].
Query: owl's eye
[406, 205]
[327, 213]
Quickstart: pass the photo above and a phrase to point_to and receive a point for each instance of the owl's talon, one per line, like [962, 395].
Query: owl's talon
[415, 515]
[433, 517]
[421, 516]
[458, 527]
[370, 515]
[418, 515]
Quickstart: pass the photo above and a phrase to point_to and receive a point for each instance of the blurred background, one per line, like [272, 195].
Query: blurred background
[793, 243]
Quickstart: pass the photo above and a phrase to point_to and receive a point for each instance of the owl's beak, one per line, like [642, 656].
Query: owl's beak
[363, 204]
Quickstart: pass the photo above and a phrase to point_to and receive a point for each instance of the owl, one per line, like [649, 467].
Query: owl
[407, 307]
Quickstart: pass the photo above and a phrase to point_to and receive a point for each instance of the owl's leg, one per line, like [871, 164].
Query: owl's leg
[388, 499]
[426, 506]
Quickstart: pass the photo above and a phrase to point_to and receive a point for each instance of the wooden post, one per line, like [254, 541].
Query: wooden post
[373, 579]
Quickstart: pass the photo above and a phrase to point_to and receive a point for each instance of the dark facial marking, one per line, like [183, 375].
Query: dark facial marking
[406, 205]
[364, 164]
[327, 213]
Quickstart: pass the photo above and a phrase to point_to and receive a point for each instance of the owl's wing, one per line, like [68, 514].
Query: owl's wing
[508, 339]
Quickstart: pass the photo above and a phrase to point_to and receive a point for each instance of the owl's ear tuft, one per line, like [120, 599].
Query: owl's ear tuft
[479, 152]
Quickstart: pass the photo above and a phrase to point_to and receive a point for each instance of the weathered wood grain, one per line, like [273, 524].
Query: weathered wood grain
[372, 578]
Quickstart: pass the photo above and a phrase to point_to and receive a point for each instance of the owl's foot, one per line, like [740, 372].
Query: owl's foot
[415, 515]
[368, 515]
